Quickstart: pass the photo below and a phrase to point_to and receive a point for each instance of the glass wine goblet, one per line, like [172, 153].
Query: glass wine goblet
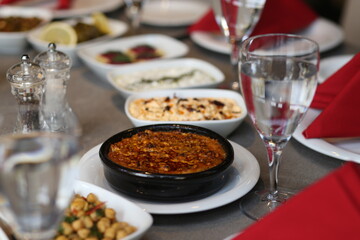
[37, 171]
[133, 11]
[278, 78]
[237, 19]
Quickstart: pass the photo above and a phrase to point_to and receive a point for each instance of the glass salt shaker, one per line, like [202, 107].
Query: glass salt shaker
[27, 81]
[56, 111]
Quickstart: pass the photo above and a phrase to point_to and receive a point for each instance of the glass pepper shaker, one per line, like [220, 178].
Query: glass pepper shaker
[56, 112]
[27, 81]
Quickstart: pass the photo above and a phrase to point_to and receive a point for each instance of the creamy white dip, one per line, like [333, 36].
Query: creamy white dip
[174, 77]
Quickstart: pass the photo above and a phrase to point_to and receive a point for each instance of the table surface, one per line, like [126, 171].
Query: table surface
[100, 109]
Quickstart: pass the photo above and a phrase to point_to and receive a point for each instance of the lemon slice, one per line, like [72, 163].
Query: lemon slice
[101, 22]
[59, 32]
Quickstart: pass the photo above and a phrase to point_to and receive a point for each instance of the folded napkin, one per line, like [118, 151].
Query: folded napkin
[339, 97]
[329, 209]
[278, 16]
[61, 4]
[5, 2]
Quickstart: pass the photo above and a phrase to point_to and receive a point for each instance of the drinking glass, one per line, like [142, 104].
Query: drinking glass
[278, 78]
[133, 11]
[37, 170]
[237, 19]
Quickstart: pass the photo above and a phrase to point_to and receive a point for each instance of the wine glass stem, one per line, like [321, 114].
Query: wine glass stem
[234, 56]
[274, 152]
[134, 12]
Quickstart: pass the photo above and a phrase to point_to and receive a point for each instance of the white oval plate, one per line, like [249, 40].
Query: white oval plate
[174, 12]
[15, 42]
[243, 176]
[222, 127]
[330, 65]
[3, 235]
[345, 150]
[78, 8]
[326, 33]
[206, 67]
[125, 210]
[171, 48]
[117, 27]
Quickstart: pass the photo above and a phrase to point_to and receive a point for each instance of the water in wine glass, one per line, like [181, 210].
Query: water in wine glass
[241, 17]
[277, 100]
[133, 11]
[219, 18]
[278, 78]
[37, 173]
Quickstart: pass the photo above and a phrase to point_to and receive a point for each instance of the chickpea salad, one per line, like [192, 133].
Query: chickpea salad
[88, 218]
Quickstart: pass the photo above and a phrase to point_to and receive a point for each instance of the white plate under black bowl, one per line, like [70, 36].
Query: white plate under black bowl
[243, 175]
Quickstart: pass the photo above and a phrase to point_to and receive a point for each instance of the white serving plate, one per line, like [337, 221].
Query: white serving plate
[78, 7]
[344, 150]
[170, 47]
[347, 150]
[330, 65]
[15, 42]
[174, 12]
[171, 63]
[222, 127]
[125, 210]
[243, 176]
[326, 33]
[117, 27]
[2, 235]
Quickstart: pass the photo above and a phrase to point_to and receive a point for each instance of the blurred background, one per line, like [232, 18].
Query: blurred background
[344, 12]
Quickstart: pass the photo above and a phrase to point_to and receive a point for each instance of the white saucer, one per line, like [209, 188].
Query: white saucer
[174, 12]
[243, 176]
[326, 33]
[330, 65]
[2, 235]
[78, 8]
[344, 150]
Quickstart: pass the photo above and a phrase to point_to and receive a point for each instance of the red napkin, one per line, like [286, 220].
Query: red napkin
[328, 209]
[61, 4]
[278, 16]
[5, 2]
[339, 96]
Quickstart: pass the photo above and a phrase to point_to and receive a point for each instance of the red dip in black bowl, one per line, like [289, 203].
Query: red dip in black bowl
[182, 172]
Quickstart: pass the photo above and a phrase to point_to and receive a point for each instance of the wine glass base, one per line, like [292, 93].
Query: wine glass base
[257, 204]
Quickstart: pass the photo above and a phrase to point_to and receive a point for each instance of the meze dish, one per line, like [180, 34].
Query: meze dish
[154, 45]
[136, 53]
[219, 110]
[166, 162]
[89, 217]
[169, 74]
[126, 212]
[75, 33]
[16, 23]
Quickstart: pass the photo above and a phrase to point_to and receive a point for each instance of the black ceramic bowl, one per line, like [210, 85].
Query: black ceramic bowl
[166, 187]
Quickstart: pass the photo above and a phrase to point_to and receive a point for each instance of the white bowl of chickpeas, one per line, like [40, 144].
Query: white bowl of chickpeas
[95, 213]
